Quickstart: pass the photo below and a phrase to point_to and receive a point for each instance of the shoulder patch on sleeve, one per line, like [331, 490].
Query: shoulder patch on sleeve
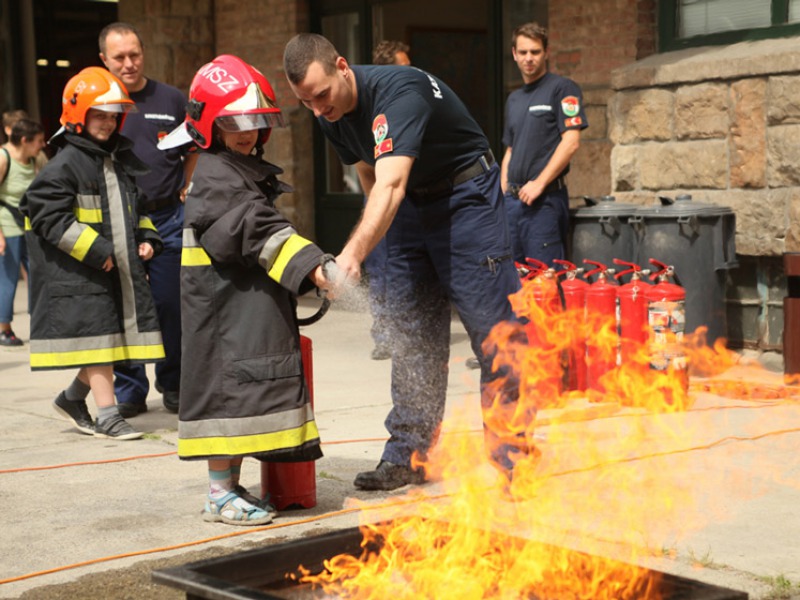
[384, 147]
[570, 106]
[380, 129]
[573, 122]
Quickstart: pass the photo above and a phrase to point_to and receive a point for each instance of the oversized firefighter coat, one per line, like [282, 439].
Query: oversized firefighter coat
[83, 208]
[242, 387]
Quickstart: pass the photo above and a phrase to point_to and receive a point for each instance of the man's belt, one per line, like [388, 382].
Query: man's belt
[557, 184]
[161, 203]
[480, 166]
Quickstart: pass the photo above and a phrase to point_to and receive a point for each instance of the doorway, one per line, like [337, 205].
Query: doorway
[453, 39]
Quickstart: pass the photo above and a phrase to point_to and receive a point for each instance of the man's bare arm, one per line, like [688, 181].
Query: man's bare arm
[385, 185]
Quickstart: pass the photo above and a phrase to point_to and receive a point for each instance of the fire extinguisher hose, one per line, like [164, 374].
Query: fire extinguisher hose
[328, 264]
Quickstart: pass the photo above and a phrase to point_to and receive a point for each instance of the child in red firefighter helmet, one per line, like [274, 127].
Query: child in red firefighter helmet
[242, 387]
[91, 306]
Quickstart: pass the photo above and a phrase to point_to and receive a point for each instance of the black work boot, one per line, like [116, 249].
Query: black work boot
[389, 476]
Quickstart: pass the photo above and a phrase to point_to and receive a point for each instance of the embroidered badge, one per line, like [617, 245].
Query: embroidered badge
[570, 106]
[384, 147]
[573, 122]
[380, 128]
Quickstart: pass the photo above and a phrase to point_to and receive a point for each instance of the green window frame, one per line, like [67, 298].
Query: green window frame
[668, 20]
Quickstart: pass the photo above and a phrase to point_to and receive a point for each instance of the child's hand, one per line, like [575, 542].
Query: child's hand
[145, 251]
[108, 265]
[318, 277]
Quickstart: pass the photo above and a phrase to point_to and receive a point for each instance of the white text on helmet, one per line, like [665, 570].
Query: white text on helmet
[219, 77]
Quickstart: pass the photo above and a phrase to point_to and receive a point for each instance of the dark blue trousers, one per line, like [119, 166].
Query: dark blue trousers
[164, 271]
[540, 230]
[449, 248]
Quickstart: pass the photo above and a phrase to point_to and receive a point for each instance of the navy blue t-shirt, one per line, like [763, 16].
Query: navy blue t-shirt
[404, 111]
[161, 108]
[536, 116]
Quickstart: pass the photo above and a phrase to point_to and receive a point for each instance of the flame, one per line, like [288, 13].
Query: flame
[583, 509]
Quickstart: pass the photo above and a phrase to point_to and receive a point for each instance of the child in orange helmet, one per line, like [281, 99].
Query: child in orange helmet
[91, 306]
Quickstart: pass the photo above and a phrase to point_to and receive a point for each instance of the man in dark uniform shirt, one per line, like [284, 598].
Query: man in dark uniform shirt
[161, 108]
[543, 122]
[411, 137]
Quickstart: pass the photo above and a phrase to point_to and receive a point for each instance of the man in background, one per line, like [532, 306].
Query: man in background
[543, 124]
[161, 109]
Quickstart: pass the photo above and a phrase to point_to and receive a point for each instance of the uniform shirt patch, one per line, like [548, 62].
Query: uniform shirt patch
[540, 108]
[573, 122]
[383, 147]
[570, 106]
[380, 129]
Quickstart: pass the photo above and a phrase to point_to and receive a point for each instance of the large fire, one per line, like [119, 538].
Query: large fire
[598, 486]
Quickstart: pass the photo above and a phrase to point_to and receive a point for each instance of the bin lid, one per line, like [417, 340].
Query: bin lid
[605, 206]
[682, 206]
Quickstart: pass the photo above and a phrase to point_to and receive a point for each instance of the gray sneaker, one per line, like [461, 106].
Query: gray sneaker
[76, 412]
[117, 428]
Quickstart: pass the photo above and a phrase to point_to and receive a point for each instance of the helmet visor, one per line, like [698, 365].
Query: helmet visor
[116, 108]
[232, 123]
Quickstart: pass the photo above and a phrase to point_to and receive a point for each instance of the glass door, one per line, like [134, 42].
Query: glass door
[339, 199]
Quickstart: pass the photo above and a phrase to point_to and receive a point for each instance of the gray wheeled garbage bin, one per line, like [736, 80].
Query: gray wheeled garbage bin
[600, 231]
[698, 239]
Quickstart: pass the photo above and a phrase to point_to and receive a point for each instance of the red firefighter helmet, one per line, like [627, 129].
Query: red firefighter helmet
[93, 87]
[231, 93]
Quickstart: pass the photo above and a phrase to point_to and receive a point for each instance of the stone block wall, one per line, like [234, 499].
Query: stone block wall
[721, 124]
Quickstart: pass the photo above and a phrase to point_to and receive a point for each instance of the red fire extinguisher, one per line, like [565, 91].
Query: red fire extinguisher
[601, 318]
[633, 320]
[293, 483]
[542, 284]
[666, 313]
[574, 292]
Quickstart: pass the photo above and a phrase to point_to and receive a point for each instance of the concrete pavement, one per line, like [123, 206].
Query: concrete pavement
[740, 459]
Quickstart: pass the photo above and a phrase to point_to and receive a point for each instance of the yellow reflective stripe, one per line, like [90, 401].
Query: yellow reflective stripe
[248, 444]
[101, 356]
[292, 246]
[27, 224]
[146, 223]
[88, 215]
[83, 243]
[195, 257]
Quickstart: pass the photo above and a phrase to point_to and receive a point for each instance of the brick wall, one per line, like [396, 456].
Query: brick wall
[587, 42]
[182, 35]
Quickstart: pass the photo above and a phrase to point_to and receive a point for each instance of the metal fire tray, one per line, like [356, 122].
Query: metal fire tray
[261, 574]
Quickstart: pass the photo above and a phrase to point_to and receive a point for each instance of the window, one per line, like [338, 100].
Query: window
[685, 23]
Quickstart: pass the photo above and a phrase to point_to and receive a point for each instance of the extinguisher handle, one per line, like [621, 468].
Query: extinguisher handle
[662, 269]
[536, 264]
[570, 268]
[633, 268]
[599, 268]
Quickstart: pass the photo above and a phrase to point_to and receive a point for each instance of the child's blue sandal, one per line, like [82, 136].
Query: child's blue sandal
[234, 510]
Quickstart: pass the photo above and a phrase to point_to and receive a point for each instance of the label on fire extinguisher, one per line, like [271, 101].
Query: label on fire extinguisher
[667, 321]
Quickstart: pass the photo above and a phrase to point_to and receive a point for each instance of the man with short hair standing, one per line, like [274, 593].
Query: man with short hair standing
[161, 108]
[433, 189]
[543, 122]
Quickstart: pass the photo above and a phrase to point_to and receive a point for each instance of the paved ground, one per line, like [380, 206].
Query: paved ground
[88, 518]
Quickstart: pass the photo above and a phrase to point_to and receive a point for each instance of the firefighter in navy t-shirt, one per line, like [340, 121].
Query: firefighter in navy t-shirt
[542, 133]
[411, 137]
